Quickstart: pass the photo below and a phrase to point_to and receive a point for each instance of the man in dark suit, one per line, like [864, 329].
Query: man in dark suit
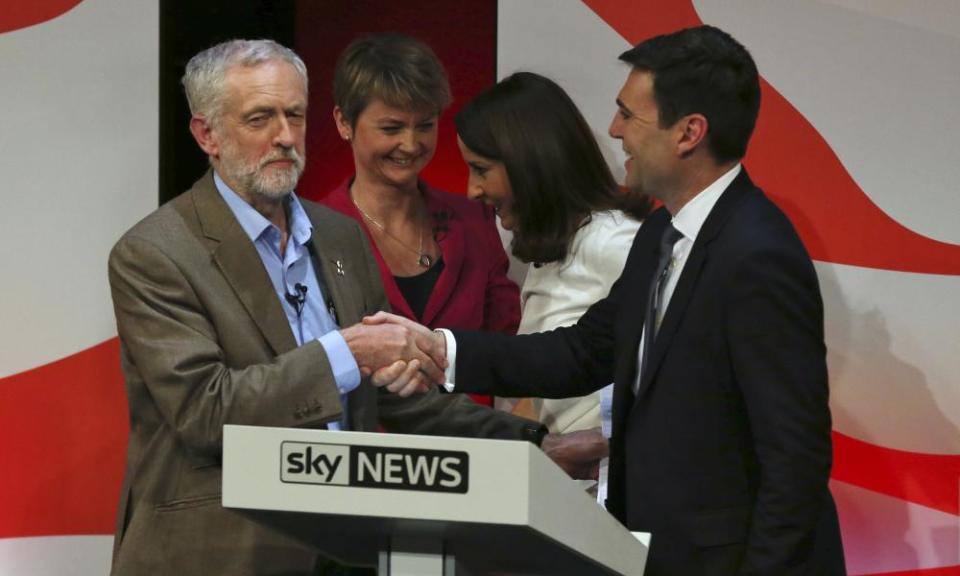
[713, 336]
[229, 302]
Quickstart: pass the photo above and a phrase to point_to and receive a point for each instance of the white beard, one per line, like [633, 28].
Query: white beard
[251, 178]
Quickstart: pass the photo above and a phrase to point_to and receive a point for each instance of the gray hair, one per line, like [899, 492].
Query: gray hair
[205, 73]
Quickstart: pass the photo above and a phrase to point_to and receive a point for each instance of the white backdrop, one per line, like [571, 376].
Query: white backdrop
[78, 155]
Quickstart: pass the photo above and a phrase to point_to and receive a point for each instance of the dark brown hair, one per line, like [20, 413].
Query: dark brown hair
[557, 174]
[703, 70]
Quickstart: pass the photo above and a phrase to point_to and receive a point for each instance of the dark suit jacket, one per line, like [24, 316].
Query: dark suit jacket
[204, 343]
[724, 454]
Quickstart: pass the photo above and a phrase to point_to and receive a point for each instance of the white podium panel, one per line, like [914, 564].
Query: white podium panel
[487, 506]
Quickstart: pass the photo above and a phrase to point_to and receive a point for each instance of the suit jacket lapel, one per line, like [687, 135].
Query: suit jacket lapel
[335, 271]
[675, 310]
[340, 276]
[239, 261]
[637, 274]
[687, 282]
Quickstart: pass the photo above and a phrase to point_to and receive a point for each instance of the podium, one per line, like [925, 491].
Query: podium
[424, 505]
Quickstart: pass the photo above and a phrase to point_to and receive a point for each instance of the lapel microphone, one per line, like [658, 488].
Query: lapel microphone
[297, 298]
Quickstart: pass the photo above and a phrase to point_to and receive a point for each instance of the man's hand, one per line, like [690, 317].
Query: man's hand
[578, 453]
[381, 318]
[412, 359]
[397, 375]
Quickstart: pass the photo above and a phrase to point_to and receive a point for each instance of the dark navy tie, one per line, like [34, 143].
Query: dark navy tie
[654, 299]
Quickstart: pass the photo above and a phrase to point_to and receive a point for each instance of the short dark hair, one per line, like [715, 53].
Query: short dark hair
[703, 70]
[556, 171]
[398, 69]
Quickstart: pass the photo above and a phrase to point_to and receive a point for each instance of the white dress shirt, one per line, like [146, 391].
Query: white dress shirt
[688, 221]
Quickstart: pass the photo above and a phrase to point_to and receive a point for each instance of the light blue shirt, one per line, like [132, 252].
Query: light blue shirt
[606, 428]
[295, 266]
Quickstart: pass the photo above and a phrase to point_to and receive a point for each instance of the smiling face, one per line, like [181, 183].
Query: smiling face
[650, 149]
[390, 145]
[257, 142]
[489, 183]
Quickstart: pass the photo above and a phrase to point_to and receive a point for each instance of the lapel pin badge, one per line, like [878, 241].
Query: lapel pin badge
[339, 264]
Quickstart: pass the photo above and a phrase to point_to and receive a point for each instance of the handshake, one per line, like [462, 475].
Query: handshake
[398, 353]
[407, 357]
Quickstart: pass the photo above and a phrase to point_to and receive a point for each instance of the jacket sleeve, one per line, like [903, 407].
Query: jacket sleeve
[775, 333]
[570, 361]
[438, 413]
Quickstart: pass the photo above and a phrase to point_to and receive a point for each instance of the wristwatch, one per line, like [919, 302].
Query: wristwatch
[534, 433]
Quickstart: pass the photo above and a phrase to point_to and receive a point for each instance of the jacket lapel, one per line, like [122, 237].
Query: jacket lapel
[636, 276]
[450, 237]
[239, 262]
[687, 282]
[676, 308]
[340, 276]
[336, 272]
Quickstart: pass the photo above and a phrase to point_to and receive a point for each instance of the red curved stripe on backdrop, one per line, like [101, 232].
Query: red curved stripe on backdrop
[64, 440]
[942, 571]
[796, 166]
[16, 15]
[930, 480]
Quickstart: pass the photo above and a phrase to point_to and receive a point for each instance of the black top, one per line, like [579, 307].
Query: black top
[416, 290]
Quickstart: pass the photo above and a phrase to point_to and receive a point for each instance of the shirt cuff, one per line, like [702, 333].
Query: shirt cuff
[451, 370]
[346, 373]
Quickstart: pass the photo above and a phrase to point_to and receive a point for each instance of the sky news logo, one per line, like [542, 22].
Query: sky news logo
[374, 467]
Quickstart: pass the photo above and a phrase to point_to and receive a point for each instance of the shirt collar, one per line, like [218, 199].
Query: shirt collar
[254, 223]
[689, 220]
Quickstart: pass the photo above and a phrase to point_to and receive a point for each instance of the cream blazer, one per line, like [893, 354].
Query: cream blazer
[557, 294]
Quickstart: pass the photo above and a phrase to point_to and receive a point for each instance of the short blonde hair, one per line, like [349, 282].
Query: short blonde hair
[400, 70]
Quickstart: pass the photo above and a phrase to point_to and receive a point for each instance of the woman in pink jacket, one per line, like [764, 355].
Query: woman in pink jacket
[440, 255]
